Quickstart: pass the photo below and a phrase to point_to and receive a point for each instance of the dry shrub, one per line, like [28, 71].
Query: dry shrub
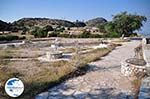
[38, 76]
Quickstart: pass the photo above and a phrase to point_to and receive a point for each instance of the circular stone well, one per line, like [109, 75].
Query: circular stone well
[133, 66]
[54, 55]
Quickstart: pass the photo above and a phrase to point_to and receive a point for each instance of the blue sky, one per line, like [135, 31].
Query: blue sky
[11, 10]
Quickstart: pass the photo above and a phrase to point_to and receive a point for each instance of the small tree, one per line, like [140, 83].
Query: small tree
[85, 34]
[48, 28]
[39, 32]
[102, 27]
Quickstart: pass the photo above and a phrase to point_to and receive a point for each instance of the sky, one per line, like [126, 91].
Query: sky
[12, 10]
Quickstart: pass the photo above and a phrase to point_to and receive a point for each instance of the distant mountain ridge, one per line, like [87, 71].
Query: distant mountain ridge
[41, 22]
[4, 26]
[95, 21]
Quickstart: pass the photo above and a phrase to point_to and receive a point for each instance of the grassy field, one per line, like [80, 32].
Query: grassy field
[39, 76]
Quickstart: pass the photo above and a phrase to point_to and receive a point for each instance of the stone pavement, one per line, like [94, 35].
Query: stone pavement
[103, 80]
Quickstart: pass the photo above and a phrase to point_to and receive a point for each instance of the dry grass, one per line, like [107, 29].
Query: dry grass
[39, 76]
[20, 53]
[72, 49]
[136, 83]
[68, 50]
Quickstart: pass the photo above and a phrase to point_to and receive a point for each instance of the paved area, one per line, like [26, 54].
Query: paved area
[103, 81]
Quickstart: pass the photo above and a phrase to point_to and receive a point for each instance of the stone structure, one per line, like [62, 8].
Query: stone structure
[103, 80]
[145, 89]
[146, 53]
[133, 66]
[145, 86]
[53, 53]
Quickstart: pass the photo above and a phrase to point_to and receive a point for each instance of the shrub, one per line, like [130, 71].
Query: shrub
[11, 37]
[39, 32]
[53, 34]
[85, 34]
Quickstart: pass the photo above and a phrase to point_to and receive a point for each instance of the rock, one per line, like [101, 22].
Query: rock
[54, 93]
[43, 95]
[68, 92]
[145, 89]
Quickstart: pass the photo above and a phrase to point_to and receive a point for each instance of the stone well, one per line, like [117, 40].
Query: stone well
[133, 66]
[54, 55]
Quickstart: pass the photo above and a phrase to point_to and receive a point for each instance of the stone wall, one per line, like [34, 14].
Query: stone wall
[145, 89]
[146, 55]
[145, 86]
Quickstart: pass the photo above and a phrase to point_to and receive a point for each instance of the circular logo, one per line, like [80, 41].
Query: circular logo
[14, 87]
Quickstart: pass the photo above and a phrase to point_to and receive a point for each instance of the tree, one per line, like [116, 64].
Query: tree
[125, 23]
[39, 32]
[85, 34]
[48, 28]
[101, 27]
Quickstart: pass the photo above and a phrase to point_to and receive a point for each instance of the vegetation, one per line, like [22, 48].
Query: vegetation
[31, 22]
[123, 24]
[41, 32]
[79, 24]
[4, 26]
[96, 21]
[48, 75]
[85, 34]
[11, 37]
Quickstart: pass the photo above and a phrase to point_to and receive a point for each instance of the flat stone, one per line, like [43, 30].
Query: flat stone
[68, 92]
[144, 95]
[80, 95]
[55, 97]
[54, 93]
[43, 95]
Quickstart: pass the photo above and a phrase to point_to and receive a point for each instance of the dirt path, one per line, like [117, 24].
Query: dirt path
[103, 81]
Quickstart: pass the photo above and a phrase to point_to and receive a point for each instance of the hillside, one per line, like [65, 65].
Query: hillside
[95, 21]
[29, 22]
[4, 26]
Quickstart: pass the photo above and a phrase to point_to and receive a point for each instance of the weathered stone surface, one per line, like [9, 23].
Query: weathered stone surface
[68, 92]
[103, 81]
[43, 95]
[146, 54]
[145, 89]
[130, 69]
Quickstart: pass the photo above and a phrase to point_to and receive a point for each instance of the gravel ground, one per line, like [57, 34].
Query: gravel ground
[103, 80]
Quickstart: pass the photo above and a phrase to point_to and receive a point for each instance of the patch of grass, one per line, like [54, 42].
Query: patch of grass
[68, 50]
[18, 53]
[39, 76]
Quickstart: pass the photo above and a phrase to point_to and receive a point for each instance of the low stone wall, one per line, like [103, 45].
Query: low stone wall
[128, 69]
[145, 89]
[145, 86]
[146, 54]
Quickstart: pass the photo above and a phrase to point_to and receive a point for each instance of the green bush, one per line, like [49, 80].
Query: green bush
[85, 34]
[11, 37]
[53, 34]
[39, 32]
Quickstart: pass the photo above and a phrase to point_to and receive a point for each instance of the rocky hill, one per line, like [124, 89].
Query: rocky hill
[29, 22]
[41, 22]
[95, 21]
[4, 26]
